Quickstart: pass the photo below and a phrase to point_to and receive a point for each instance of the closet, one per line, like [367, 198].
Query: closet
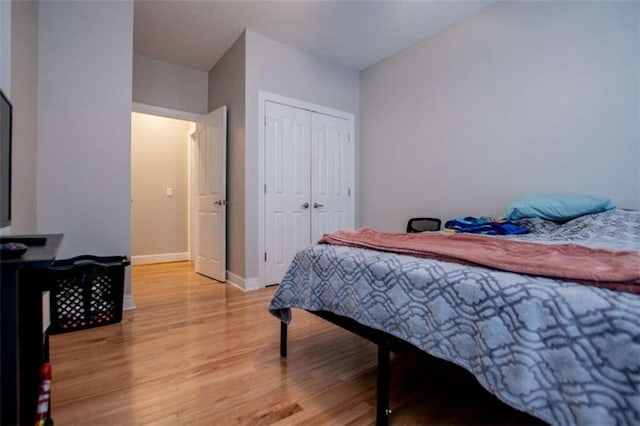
[309, 181]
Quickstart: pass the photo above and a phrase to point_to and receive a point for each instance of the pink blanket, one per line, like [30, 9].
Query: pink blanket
[616, 270]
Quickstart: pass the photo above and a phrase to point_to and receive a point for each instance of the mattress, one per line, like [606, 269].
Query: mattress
[567, 353]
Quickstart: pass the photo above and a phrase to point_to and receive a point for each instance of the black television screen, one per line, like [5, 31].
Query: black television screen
[5, 161]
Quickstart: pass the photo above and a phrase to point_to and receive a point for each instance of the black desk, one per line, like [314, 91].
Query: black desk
[24, 346]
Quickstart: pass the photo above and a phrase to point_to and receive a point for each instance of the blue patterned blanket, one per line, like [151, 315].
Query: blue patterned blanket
[566, 353]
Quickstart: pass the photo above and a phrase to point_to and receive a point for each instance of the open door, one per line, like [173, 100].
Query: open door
[210, 140]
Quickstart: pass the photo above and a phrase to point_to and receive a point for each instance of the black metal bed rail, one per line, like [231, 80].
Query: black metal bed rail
[385, 342]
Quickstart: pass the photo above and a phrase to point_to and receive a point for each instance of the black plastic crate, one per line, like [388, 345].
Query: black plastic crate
[85, 292]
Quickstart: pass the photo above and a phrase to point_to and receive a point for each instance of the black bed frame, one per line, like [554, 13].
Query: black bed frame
[386, 343]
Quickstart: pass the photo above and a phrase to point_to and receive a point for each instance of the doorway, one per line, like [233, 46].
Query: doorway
[160, 186]
[178, 188]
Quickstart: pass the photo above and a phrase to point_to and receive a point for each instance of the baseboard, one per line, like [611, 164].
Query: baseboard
[159, 258]
[128, 303]
[242, 283]
[252, 284]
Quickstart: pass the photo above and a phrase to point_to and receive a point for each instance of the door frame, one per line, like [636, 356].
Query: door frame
[263, 98]
[180, 115]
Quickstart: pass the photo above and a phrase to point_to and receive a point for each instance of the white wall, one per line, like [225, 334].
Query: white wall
[159, 161]
[24, 83]
[278, 68]
[84, 125]
[227, 87]
[167, 85]
[522, 97]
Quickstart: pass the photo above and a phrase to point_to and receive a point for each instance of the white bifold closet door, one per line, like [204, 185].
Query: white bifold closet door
[287, 186]
[332, 174]
[309, 175]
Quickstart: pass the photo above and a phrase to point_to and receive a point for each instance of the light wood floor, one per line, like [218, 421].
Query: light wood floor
[200, 352]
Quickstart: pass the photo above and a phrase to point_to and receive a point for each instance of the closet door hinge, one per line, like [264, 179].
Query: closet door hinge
[349, 137]
[265, 120]
[265, 256]
[349, 192]
[265, 188]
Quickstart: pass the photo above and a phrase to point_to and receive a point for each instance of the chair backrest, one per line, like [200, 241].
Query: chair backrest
[421, 224]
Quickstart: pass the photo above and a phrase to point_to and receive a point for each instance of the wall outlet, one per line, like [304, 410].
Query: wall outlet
[169, 192]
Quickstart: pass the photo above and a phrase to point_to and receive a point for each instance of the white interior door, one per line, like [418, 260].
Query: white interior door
[211, 191]
[287, 187]
[332, 175]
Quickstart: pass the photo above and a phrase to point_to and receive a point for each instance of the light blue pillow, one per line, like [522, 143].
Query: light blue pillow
[559, 208]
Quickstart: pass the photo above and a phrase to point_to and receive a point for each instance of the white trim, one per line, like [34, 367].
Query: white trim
[191, 224]
[159, 258]
[164, 112]
[296, 103]
[251, 284]
[127, 302]
[263, 97]
[235, 280]
[241, 283]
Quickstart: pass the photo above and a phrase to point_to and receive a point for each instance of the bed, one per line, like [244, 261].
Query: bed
[564, 352]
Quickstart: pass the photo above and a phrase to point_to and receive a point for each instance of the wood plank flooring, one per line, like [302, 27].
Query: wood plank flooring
[196, 351]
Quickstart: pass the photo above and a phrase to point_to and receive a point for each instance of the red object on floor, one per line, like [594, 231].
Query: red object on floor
[42, 413]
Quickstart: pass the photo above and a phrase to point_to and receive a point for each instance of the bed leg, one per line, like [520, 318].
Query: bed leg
[283, 339]
[382, 403]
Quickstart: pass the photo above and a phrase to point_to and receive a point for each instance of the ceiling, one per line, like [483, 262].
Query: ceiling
[355, 34]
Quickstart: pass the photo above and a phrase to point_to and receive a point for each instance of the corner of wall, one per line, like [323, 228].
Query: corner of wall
[227, 86]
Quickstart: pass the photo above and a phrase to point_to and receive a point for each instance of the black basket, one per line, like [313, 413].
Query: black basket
[85, 292]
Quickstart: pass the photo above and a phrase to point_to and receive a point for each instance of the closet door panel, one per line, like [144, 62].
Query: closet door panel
[332, 175]
[287, 192]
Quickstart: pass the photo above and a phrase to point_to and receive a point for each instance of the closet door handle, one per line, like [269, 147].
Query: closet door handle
[317, 206]
[305, 206]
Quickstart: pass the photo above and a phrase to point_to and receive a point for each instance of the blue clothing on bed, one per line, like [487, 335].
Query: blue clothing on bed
[484, 225]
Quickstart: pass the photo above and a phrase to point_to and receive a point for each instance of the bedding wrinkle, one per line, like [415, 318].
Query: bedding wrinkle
[613, 269]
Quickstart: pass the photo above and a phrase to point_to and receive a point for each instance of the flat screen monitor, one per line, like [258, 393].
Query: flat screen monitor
[5, 160]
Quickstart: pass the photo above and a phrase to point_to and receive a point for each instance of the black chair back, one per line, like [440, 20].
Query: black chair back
[421, 224]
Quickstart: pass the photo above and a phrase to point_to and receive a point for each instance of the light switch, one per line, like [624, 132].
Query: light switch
[169, 192]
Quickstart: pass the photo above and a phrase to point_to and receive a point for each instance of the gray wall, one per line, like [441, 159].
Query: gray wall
[167, 85]
[284, 70]
[24, 82]
[5, 47]
[5, 61]
[158, 161]
[519, 98]
[84, 125]
[227, 87]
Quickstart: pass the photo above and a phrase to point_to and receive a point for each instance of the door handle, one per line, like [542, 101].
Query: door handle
[220, 203]
[305, 206]
[317, 206]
